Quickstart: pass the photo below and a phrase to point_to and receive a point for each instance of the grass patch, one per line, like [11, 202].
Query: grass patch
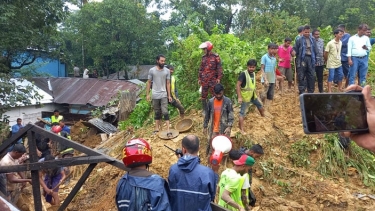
[299, 153]
[336, 161]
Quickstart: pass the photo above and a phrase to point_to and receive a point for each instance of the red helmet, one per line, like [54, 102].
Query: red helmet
[207, 45]
[56, 129]
[136, 152]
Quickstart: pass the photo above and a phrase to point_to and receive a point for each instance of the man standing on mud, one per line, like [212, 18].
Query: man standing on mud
[219, 114]
[161, 93]
[210, 72]
[305, 49]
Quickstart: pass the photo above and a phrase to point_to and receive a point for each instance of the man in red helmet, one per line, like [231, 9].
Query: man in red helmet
[210, 72]
[140, 189]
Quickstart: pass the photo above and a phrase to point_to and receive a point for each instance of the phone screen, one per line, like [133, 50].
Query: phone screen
[333, 112]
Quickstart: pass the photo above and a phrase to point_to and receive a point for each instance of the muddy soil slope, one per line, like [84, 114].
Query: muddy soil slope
[277, 183]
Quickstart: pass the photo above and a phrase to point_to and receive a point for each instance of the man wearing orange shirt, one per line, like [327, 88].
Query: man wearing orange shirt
[219, 115]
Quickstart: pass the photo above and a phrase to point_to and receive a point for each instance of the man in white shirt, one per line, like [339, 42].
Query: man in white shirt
[86, 73]
[358, 46]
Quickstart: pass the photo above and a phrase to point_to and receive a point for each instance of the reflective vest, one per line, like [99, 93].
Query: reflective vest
[173, 83]
[249, 90]
[54, 119]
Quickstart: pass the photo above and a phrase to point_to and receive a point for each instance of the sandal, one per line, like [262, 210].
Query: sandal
[169, 135]
[155, 132]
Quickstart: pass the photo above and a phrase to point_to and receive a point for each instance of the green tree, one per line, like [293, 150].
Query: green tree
[113, 34]
[28, 29]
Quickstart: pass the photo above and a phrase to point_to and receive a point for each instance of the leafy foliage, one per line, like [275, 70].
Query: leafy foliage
[28, 25]
[299, 152]
[111, 40]
[139, 117]
[335, 162]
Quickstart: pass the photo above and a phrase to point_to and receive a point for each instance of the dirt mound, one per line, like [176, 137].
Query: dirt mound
[277, 184]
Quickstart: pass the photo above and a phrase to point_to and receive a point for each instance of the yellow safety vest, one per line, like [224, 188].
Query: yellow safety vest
[249, 90]
[173, 81]
[54, 119]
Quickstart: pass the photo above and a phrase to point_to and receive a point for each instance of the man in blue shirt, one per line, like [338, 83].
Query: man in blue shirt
[368, 34]
[344, 58]
[358, 46]
[16, 128]
[305, 49]
[64, 127]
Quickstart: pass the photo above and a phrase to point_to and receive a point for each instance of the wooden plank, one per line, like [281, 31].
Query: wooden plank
[34, 173]
[56, 163]
[76, 146]
[216, 207]
[78, 186]
[8, 142]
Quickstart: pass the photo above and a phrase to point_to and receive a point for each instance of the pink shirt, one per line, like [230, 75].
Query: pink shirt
[285, 55]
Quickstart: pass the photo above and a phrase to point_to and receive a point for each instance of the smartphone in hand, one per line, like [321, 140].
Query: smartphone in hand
[333, 112]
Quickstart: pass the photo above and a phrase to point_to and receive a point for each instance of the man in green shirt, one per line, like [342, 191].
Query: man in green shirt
[232, 194]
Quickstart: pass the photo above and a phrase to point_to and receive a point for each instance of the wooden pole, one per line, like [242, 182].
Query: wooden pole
[34, 173]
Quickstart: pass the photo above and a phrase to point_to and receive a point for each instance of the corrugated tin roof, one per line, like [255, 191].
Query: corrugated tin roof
[79, 91]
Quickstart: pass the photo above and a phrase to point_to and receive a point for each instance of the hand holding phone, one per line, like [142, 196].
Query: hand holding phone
[365, 140]
[333, 112]
[365, 47]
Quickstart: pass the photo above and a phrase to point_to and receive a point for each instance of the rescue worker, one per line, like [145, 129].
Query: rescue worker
[219, 114]
[233, 189]
[210, 72]
[174, 93]
[56, 117]
[192, 185]
[140, 189]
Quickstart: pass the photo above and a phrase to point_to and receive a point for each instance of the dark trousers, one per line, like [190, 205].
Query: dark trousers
[177, 105]
[319, 77]
[306, 75]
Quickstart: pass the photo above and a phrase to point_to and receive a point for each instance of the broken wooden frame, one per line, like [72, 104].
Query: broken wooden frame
[93, 158]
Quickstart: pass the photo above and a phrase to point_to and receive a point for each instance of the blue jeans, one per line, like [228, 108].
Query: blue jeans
[360, 64]
[335, 73]
[245, 105]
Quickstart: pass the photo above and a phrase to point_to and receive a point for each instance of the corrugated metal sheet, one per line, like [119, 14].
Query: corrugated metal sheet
[91, 91]
[103, 126]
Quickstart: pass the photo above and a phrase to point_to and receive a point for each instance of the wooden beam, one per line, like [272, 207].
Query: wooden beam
[34, 173]
[76, 146]
[56, 163]
[13, 139]
[78, 186]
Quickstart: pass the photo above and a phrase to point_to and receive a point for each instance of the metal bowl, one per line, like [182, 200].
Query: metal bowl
[184, 125]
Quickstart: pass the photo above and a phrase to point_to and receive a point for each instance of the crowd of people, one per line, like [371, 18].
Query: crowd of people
[190, 185]
[11, 184]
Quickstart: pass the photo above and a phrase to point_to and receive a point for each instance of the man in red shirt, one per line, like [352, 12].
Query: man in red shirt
[210, 72]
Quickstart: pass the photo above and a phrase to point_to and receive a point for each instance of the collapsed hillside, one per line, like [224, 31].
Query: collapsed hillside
[277, 183]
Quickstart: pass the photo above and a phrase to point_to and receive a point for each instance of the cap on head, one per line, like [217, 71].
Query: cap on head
[208, 45]
[137, 152]
[244, 160]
